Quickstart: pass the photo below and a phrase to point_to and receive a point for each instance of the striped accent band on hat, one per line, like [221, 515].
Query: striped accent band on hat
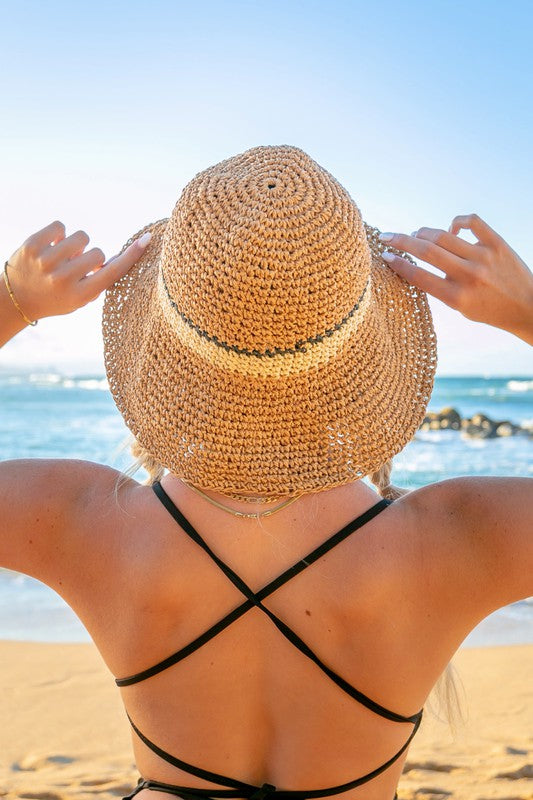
[277, 363]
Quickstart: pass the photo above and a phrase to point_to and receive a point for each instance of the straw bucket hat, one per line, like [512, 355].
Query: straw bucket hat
[261, 343]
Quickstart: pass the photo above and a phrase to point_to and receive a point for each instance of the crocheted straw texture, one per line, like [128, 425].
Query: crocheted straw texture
[261, 343]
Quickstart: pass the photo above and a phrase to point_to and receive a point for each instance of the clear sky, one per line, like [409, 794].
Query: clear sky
[421, 110]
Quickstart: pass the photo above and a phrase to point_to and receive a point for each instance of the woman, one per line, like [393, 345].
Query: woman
[262, 351]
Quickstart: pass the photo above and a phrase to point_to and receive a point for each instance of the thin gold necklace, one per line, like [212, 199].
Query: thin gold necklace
[253, 499]
[256, 515]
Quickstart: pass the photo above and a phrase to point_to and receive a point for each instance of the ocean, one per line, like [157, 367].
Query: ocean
[56, 415]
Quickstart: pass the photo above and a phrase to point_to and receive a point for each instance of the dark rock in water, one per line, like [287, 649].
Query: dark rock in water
[506, 429]
[482, 420]
[479, 426]
[472, 431]
[428, 419]
[450, 418]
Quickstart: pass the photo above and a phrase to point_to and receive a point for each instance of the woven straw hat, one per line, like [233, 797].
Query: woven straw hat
[261, 343]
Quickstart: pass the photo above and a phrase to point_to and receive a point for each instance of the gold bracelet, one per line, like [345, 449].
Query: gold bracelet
[13, 298]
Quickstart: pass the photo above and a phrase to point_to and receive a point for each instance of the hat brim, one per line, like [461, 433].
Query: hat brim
[313, 430]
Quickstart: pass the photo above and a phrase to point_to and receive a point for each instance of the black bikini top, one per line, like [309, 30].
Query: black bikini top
[236, 788]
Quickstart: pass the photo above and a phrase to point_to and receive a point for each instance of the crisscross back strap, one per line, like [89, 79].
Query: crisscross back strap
[255, 598]
[234, 788]
[271, 587]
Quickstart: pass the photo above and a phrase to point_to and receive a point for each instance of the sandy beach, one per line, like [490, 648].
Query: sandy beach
[65, 736]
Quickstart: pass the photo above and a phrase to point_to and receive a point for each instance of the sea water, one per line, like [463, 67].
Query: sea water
[49, 414]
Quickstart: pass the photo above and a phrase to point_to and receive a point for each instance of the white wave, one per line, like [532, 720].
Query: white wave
[484, 392]
[435, 435]
[45, 377]
[520, 386]
[90, 384]
[93, 383]
[56, 379]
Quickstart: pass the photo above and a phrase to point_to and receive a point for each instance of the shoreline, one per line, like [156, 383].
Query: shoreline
[68, 737]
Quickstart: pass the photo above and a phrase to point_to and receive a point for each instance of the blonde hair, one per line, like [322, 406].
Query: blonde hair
[381, 480]
[444, 698]
[143, 460]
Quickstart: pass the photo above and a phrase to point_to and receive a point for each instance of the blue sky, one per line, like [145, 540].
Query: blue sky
[422, 111]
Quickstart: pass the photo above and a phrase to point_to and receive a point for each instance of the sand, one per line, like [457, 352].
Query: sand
[65, 735]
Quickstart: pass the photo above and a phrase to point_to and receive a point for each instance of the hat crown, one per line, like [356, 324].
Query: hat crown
[265, 251]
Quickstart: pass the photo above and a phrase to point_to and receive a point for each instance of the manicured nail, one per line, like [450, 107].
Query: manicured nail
[388, 256]
[145, 238]
[386, 237]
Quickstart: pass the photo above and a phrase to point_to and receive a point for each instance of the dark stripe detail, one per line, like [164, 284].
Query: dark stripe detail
[299, 347]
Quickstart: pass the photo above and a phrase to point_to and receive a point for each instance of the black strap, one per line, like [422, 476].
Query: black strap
[289, 573]
[271, 587]
[239, 789]
[265, 791]
[188, 649]
[205, 774]
[254, 599]
[246, 790]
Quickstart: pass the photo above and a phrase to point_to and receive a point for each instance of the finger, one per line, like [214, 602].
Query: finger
[483, 232]
[46, 236]
[438, 287]
[428, 251]
[115, 268]
[79, 267]
[67, 248]
[448, 241]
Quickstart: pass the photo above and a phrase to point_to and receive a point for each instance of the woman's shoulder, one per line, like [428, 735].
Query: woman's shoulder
[474, 496]
[47, 506]
[60, 492]
[477, 532]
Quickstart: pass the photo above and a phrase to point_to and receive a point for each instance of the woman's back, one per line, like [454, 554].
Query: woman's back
[378, 609]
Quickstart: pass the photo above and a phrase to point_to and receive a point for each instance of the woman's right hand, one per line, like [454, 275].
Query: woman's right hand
[486, 281]
[51, 274]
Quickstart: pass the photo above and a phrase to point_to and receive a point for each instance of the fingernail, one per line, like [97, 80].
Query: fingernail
[388, 256]
[144, 239]
[414, 233]
[386, 237]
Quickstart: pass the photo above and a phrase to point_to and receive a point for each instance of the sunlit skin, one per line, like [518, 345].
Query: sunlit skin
[386, 610]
